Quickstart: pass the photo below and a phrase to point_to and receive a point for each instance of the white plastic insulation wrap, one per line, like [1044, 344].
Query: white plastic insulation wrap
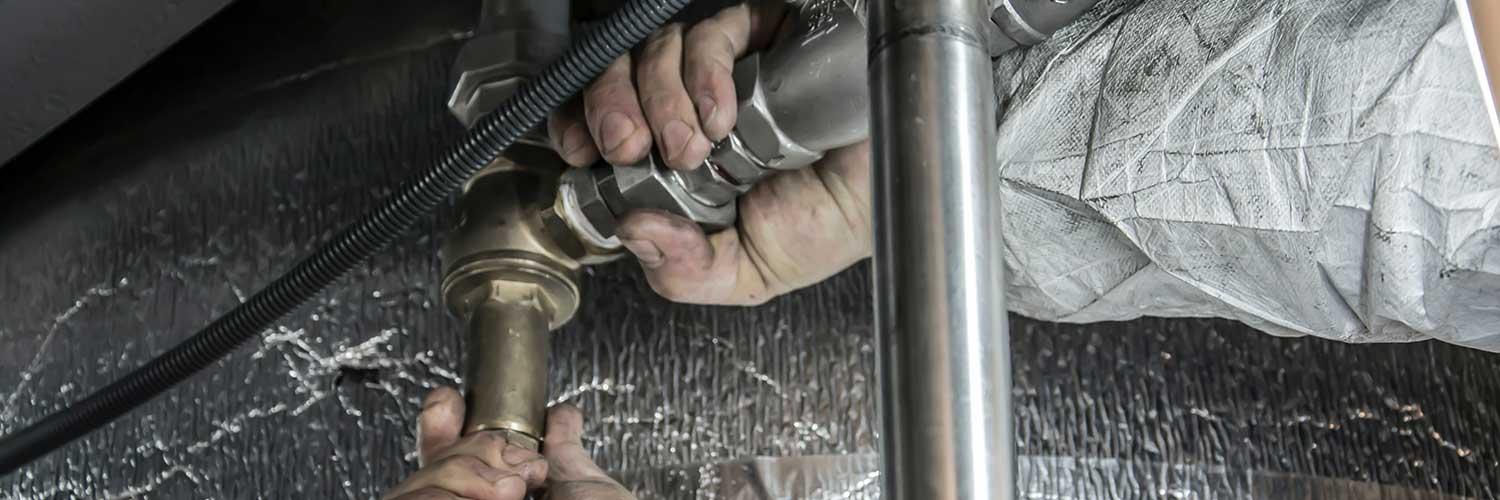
[1308, 167]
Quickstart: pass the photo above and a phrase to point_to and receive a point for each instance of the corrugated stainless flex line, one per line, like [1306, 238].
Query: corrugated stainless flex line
[208, 175]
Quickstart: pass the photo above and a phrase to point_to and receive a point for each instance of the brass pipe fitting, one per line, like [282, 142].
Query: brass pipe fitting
[509, 281]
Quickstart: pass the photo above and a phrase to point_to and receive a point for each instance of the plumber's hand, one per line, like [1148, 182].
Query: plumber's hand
[484, 466]
[795, 228]
[573, 475]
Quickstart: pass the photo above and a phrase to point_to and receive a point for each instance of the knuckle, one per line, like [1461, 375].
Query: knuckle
[660, 104]
[656, 69]
[617, 68]
[713, 41]
[721, 68]
[617, 76]
[662, 37]
[603, 91]
[703, 70]
[701, 32]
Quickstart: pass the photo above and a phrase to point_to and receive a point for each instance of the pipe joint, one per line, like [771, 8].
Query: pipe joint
[511, 283]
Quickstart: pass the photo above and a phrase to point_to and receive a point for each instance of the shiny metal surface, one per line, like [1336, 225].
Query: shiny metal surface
[511, 285]
[802, 96]
[652, 185]
[580, 221]
[758, 128]
[708, 184]
[812, 82]
[500, 211]
[736, 163]
[939, 256]
[1024, 23]
[514, 40]
[508, 347]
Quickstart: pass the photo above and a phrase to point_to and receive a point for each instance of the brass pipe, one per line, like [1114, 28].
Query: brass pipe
[508, 347]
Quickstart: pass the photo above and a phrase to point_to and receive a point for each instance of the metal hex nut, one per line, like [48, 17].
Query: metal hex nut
[488, 70]
[512, 277]
[585, 185]
[736, 163]
[707, 184]
[652, 185]
[579, 220]
[756, 126]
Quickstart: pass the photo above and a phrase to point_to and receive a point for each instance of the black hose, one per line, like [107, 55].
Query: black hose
[494, 133]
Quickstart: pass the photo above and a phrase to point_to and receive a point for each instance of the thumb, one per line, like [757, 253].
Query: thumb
[439, 424]
[567, 461]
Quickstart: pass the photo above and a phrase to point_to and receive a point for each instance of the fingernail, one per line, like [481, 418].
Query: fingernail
[574, 139]
[645, 251]
[676, 136]
[707, 108]
[617, 128]
[512, 483]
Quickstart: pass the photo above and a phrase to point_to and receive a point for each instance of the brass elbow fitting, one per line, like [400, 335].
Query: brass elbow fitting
[511, 284]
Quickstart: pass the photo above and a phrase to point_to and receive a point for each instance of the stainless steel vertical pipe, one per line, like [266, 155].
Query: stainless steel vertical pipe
[939, 283]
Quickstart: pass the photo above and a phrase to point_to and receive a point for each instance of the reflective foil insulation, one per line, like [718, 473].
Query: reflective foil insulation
[215, 168]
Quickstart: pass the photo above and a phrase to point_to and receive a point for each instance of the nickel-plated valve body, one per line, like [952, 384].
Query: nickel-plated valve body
[805, 95]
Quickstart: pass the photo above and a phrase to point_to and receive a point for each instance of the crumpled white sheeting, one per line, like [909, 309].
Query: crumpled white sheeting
[1308, 167]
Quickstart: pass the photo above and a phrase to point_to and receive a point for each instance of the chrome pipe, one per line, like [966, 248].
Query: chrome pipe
[939, 283]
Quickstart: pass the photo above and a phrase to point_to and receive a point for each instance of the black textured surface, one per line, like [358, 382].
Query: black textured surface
[209, 175]
[57, 56]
